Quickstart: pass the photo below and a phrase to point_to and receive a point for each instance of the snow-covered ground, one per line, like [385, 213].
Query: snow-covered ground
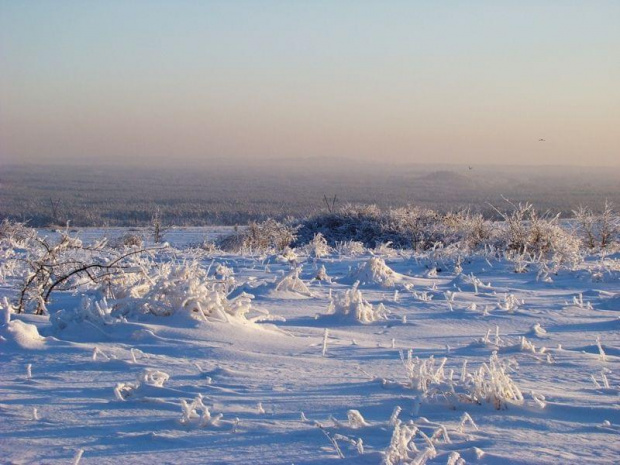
[333, 380]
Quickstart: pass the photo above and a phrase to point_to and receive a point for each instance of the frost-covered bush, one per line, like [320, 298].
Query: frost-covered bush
[541, 237]
[352, 305]
[403, 227]
[350, 248]
[224, 272]
[198, 414]
[98, 312]
[293, 283]
[265, 236]
[471, 230]
[598, 230]
[490, 383]
[164, 290]
[128, 240]
[186, 288]
[374, 271]
[322, 275]
[66, 263]
[15, 234]
[318, 246]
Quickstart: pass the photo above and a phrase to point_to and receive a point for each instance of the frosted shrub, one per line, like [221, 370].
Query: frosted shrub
[322, 275]
[292, 283]
[525, 230]
[148, 377]
[600, 230]
[288, 255]
[509, 303]
[351, 304]
[268, 235]
[491, 384]
[402, 448]
[128, 240]
[152, 377]
[98, 312]
[423, 373]
[470, 230]
[318, 246]
[223, 272]
[385, 249]
[375, 271]
[356, 420]
[182, 289]
[350, 248]
[198, 414]
[13, 234]
[66, 264]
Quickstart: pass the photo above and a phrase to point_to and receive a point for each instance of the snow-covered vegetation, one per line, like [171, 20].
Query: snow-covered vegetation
[361, 336]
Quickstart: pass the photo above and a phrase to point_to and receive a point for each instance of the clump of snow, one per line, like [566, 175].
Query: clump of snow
[21, 335]
[352, 305]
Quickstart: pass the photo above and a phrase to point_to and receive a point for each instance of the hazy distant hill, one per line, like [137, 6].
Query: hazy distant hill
[232, 193]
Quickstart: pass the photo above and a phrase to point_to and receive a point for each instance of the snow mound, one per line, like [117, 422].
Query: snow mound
[22, 335]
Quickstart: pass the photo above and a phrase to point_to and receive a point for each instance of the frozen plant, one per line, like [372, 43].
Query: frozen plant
[197, 413]
[602, 354]
[292, 283]
[78, 456]
[356, 420]
[5, 311]
[401, 449]
[325, 336]
[384, 249]
[152, 377]
[423, 296]
[455, 459]
[352, 304]
[350, 248]
[467, 419]
[394, 416]
[539, 331]
[509, 303]
[579, 302]
[318, 246]
[423, 373]
[491, 384]
[375, 271]
[260, 237]
[98, 312]
[223, 272]
[322, 275]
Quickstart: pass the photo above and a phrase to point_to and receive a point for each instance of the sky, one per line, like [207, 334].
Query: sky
[464, 82]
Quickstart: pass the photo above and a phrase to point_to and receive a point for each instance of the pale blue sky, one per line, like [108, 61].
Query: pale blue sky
[400, 81]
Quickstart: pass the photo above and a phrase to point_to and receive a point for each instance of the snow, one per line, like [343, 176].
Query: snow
[484, 366]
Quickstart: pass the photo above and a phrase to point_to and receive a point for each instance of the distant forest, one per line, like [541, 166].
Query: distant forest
[227, 194]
